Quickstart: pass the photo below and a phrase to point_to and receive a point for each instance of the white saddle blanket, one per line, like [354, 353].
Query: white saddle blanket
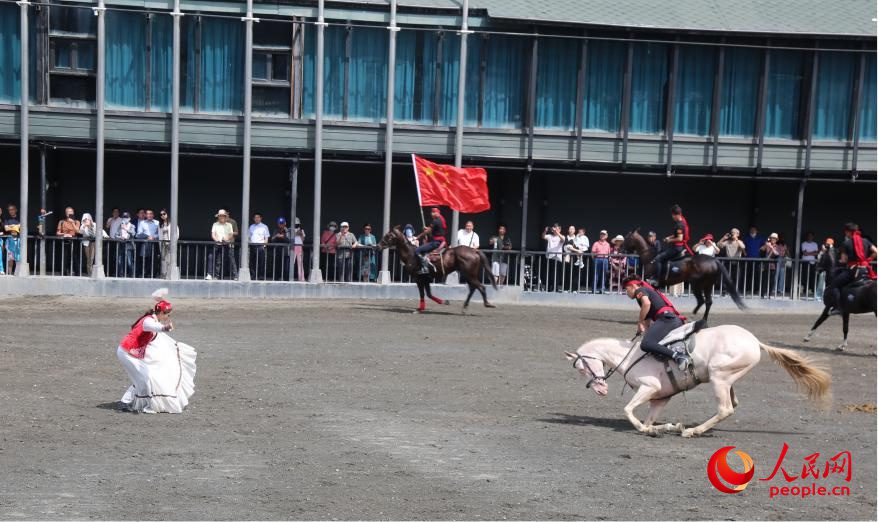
[678, 334]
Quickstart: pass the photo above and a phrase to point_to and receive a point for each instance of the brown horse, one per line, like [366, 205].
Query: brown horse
[700, 271]
[466, 261]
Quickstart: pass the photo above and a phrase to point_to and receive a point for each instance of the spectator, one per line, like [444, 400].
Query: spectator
[410, 236]
[777, 253]
[235, 232]
[601, 250]
[572, 258]
[467, 236]
[753, 243]
[731, 244]
[618, 263]
[2, 243]
[583, 245]
[298, 246]
[828, 249]
[809, 251]
[141, 215]
[499, 260]
[345, 242]
[147, 233]
[282, 241]
[223, 253]
[12, 228]
[655, 246]
[87, 230]
[165, 245]
[554, 247]
[125, 252]
[112, 229]
[113, 222]
[259, 236]
[68, 229]
[706, 246]
[327, 248]
[783, 262]
[368, 258]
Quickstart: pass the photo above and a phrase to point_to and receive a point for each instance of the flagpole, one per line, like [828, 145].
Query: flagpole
[418, 188]
[458, 131]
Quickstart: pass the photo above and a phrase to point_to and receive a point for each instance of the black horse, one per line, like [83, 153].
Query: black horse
[700, 271]
[856, 298]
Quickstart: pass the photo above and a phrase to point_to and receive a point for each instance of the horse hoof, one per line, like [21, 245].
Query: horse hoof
[806, 339]
[489, 305]
[446, 302]
[840, 348]
[690, 433]
[418, 312]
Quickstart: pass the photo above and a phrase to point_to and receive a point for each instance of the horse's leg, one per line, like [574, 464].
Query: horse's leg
[481, 288]
[469, 296]
[699, 298]
[421, 305]
[655, 408]
[734, 399]
[722, 390]
[430, 295]
[845, 319]
[823, 317]
[644, 394]
[708, 302]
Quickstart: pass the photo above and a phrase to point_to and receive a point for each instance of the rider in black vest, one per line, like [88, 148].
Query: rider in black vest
[677, 244]
[658, 309]
[855, 259]
[436, 231]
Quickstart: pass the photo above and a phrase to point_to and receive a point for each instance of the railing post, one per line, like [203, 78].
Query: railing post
[21, 267]
[384, 276]
[97, 271]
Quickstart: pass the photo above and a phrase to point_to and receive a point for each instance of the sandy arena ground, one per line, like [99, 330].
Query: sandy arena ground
[359, 409]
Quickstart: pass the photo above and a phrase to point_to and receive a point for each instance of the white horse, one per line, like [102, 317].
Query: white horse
[722, 355]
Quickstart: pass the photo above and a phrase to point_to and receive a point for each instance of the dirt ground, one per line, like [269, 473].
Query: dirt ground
[361, 410]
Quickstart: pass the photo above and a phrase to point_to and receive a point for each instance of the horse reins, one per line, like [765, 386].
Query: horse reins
[607, 374]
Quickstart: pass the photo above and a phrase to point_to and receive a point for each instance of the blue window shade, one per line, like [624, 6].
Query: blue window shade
[449, 70]
[835, 87]
[161, 63]
[415, 80]
[333, 70]
[187, 64]
[786, 73]
[367, 95]
[222, 66]
[505, 80]
[693, 98]
[604, 78]
[867, 101]
[125, 82]
[740, 92]
[557, 66]
[648, 88]
[10, 54]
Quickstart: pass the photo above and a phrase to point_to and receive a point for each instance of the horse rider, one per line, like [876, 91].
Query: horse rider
[657, 308]
[436, 231]
[678, 243]
[857, 253]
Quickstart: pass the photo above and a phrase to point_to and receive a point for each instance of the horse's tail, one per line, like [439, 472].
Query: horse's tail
[804, 372]
[731, 288]
[486, 266]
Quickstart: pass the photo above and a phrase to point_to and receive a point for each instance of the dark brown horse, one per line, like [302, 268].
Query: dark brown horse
[856, 298]
[466, 261]
[700, 271]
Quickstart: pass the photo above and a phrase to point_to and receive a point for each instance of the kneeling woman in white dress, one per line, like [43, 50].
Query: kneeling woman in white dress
[162, 370]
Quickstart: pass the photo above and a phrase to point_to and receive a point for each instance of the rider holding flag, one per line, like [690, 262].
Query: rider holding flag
[857, 253]
[678, 242]
[436, 230]
[656, 308]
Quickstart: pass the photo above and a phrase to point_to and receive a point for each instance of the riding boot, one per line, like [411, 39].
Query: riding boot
[836, 300]
[682, 358]
[425, 264]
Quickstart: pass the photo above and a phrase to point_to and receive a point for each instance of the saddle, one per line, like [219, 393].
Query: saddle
[682, 338]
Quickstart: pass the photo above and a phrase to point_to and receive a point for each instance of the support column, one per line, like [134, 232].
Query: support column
[244, 270]
[316, 276]
[855, 116]
[294, 199]
[21, 268]
[174, 274]
[42, 220]
[384, 276]
[458, 131]
[797, 268]
[671, 113]
[525, 189]
[97, 270]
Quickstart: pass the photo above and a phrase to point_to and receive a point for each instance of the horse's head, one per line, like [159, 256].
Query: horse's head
[393, 237]
[634, 242]
[589, 362]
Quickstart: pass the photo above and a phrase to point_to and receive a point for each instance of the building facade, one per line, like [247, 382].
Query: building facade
[590, 97]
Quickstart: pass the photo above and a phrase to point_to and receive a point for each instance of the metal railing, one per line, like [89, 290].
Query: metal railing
[533, 271]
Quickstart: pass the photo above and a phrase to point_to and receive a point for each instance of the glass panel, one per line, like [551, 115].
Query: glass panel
[260, 66]
[268, 32]
[867, 101]
[604, 82]
[557, 66]
[368, 70]
[63, 52]
[125, 60]
[79, 20]
[649, 88]
[72, 90]
[187, 62]
[162, 63]
[696, 69]
[415, 77]
[86, 55]
[449, 70]
[505, 81]
[333, 70]
[782, 104]
[740, 91]
[835, 88]
[271, 101]
[10, 54]
[280, 67]
[222, 66]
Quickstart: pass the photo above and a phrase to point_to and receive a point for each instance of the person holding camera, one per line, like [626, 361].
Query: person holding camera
[706, 246]
[554, 247]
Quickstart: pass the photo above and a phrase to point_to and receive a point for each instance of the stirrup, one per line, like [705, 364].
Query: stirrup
[682, 361]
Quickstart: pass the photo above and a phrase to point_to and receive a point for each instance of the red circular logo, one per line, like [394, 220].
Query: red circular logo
[718, 468]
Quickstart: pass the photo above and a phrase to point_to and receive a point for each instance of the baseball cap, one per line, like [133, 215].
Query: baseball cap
[773, 236]
[604, 232]
[281, 221]
[345, 224]
[221, 212]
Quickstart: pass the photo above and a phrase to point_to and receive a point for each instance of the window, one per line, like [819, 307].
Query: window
[416, 76]
[557, 67]
[786, 72]
[505, 62]
[649, 81]
[72, 55]
[742, 69]
[605, 70]
[693, 98]
[334, 70]
[867, 101]
[212, 65]
[126, 58]
[272, 68]
[835, 89]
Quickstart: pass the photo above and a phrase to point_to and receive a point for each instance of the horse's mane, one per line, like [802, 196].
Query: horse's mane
[625, 343]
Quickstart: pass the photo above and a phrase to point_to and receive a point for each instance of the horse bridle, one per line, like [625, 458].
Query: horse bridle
[607, 374]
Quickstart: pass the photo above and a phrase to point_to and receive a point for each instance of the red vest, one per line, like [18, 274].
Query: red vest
[135, 342]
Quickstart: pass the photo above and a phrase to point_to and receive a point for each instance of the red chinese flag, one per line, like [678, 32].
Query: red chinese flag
[462, 189]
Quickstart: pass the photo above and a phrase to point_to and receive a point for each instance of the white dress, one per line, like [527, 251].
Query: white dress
[164, 380]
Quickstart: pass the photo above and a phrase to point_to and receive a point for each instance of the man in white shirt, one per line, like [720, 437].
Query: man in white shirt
[810, 249]
[259, 235]
[554, 247]
[467, 236]
[221, 259]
